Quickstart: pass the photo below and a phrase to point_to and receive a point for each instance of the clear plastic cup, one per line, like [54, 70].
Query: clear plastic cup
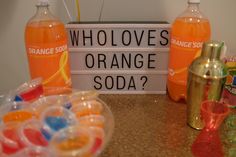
[13, 106]
[92, 121]
[31, 135]
[9, 138]
[55, 100]
[16, 112]
[96, 124]
[86, 107]
[85, 100]
[78, 96]
[73, 141]
[56, 118]
[30, 91]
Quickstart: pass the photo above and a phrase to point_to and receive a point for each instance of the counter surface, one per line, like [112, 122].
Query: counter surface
[148, 126]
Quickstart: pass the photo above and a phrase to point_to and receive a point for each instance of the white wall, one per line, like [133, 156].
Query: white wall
[15, 13]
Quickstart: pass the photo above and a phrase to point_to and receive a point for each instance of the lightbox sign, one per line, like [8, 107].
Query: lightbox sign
[119, 57]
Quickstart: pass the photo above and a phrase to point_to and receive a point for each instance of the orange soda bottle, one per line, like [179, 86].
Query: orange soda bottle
[46, 45]
[188, 33]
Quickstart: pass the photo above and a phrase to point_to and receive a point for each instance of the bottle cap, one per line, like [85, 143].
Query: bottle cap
[193, 1]
[43, 2]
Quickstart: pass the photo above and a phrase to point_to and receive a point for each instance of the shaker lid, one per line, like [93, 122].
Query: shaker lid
[212, 49]
[209, 65]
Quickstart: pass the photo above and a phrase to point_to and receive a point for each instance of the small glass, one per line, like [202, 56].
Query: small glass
[208, 142]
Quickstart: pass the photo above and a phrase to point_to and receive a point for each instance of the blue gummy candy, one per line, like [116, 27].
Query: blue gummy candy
[56, 123]
[18, 98]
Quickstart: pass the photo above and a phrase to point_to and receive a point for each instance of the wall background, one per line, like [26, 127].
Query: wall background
[15, 13]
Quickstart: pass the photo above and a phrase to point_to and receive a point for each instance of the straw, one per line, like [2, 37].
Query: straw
[78, 9]
[67, 10]
[101, 10]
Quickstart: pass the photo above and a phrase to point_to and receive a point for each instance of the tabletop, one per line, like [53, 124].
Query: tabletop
[148, 126]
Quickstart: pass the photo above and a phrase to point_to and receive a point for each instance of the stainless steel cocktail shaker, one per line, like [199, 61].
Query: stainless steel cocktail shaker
[206, 77]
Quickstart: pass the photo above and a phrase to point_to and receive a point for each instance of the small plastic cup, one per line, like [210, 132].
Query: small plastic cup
[78, 96]
[213, 113]
[72, 142]
[31, 135]
[87, 107]
[30, 91]
[13, 106]
[34, 152]
[87, 103]
[56, 118]
[96, 124]
[55, 100]
[16, 112]
[92, 121]
[9, 138]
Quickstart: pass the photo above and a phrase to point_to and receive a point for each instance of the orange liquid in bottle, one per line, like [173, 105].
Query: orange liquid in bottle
[46, 44]
[187, 37]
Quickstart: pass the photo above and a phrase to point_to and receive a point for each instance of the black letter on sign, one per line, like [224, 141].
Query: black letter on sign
[107, 82]
[74, 37]
[136, 36]
[151, 60]
[163, 37]
[104, 36]
[127, 61]
[112, 39]
[114, 62]
[96, 80]
[131, 83]
[129, 38]
[151, 37]
[88, 37]
[102, 58]
[118, 82]
[92, 61]
[140, 61]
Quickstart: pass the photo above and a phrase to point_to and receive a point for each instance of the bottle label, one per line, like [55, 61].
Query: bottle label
[182, 53]
[187, 44]
[51, 63]
[229, 94]
[230, 84]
